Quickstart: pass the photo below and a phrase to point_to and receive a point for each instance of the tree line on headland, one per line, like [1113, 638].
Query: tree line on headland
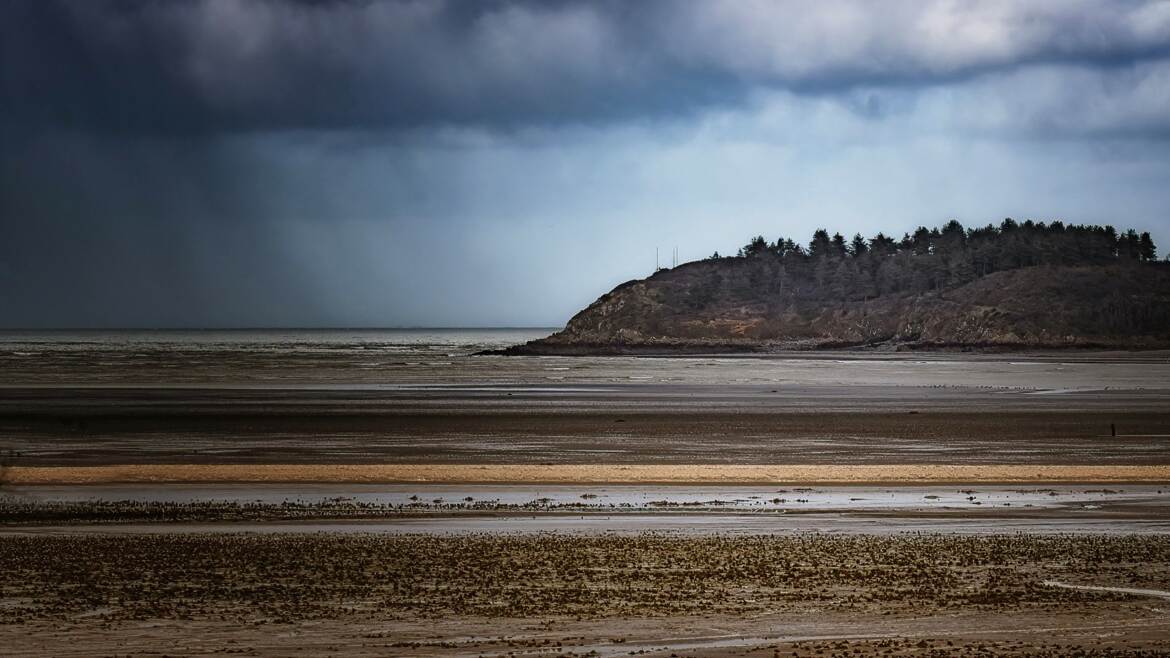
[1015, 285]
[833, 267]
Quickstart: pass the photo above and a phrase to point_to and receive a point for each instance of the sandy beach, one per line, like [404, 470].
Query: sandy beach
[519, 474]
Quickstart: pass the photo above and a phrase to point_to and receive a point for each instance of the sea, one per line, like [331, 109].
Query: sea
[445, 341]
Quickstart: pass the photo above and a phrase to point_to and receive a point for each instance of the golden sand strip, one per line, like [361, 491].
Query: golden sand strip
[588, 473]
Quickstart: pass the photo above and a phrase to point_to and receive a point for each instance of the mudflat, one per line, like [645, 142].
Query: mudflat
[309, 494]
[588, 509]
[573, 423]
[572, 595]
[80, 401]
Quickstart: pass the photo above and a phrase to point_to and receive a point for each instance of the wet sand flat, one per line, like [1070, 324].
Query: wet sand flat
[630, 524]
[359, 493]
[433, 496]
[577, 424]
[359, 401]
[272, 359]
[688, 510]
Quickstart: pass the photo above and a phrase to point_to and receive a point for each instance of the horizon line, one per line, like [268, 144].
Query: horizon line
[294, 328]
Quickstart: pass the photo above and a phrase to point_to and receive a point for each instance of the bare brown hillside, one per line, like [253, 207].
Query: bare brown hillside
[753, 304]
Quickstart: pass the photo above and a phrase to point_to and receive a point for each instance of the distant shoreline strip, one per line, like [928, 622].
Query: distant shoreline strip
[697, 474]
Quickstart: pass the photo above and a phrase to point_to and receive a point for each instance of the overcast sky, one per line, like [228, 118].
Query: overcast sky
[221, 163]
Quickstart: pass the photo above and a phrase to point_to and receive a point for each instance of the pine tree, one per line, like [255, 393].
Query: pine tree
[1146, 247]
[858, 247]
[820, 246]
[838, 249]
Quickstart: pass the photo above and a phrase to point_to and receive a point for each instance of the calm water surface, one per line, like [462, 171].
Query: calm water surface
[458, 341]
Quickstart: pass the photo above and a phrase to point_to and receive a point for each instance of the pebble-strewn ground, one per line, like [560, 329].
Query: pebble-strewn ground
[105, 583]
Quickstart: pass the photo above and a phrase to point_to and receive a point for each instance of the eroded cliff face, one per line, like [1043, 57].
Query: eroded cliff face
[735, 304]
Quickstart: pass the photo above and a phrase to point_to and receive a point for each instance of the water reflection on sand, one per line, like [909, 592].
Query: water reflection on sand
[470, 509]
[740, 498]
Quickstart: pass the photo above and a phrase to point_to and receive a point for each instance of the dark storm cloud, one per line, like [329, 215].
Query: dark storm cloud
[221, 65]
[254, 162]
[146, 232]
[245, 66]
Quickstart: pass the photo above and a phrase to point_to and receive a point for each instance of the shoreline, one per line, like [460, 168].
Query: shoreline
[561, 343]
[597, 474]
